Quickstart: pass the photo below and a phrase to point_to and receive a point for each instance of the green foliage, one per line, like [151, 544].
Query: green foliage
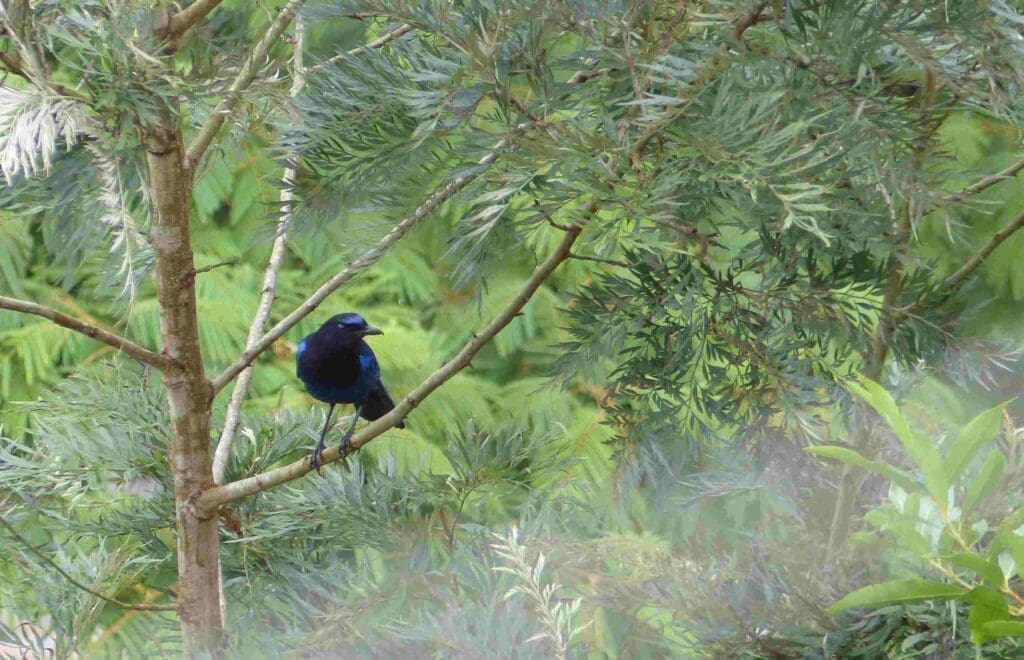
[938, 521]
[640, 422]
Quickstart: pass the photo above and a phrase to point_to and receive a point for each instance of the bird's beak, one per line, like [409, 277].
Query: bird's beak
[370, 330]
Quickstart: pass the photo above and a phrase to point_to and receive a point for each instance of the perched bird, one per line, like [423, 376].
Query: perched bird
[337, 366]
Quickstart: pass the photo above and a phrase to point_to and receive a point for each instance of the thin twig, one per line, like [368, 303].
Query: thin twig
[583, 75]
[610, 262]
[376, 43]
[212, 498]
[129, 347]
[989, 181]
[141, 607]
[370, 257]
[225, 108]
[219, 264]
[277, 253]
[12, 63]
[750, 19]
[954, 282]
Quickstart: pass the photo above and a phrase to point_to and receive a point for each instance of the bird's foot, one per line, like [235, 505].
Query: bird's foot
[345, 448]
[316, 460]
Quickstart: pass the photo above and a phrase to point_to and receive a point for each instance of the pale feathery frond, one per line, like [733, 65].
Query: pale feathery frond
[31, 123]
[118, 217]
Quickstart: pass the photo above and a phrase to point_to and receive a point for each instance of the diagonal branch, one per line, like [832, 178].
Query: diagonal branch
[142, 607]
[129, 347]
[189, 16]
[992, 180]
[246, 75]
[370, 257]
[210, 499]
[385, 38]
[956, 280]
[277, 252]
[959, 277]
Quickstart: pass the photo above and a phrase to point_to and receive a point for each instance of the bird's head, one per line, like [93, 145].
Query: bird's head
[348, 327]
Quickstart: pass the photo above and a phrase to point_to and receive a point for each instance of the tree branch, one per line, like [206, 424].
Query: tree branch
[182, 21]
[989, 181]
[12, 63]
[245, 76]
[277, 252]
[959, 277]
[385, 38]
[610, 262]
[142, 607]
[368, 258]
[956, 280]
[210, 499]
[129, 347]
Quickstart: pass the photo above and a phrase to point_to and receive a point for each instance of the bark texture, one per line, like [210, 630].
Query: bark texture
[189, 393]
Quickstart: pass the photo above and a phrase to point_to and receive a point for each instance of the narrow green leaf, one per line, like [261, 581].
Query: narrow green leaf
[987, 606]
[987, 478]
[984, 568]
[920, 449]
[853, 458]
[979, 431]
[912, 590]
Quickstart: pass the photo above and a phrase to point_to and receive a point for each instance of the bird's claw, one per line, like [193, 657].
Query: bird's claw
[316, 460]
[345, 447]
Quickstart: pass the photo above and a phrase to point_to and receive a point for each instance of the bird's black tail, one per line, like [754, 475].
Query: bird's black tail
[378, 403]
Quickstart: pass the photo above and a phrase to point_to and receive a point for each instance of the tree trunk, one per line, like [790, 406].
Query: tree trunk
[189, 393]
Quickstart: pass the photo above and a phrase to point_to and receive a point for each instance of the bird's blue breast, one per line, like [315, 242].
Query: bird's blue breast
[332, 387]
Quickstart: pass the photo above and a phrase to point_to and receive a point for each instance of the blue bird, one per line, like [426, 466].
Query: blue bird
[337, 366]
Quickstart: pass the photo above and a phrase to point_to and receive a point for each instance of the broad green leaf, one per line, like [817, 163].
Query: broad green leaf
[979, 431]
[912, 590]
[1011, 542]
[853, 458]
[1008, 628]
[984, 568]
[987, 478]
[987, 605]
[920, 449]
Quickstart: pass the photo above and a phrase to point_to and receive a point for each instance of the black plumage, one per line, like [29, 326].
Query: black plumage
[337, 366]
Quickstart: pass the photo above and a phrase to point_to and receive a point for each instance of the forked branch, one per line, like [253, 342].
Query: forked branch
[129, 347]
[226, 107]
[215, 497]
[277, 252]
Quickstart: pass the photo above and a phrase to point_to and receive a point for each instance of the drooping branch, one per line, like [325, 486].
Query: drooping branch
[129, 347]
[277, 253]
[226, 107]
[141, 607]
[370, 257]
[210, 499]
